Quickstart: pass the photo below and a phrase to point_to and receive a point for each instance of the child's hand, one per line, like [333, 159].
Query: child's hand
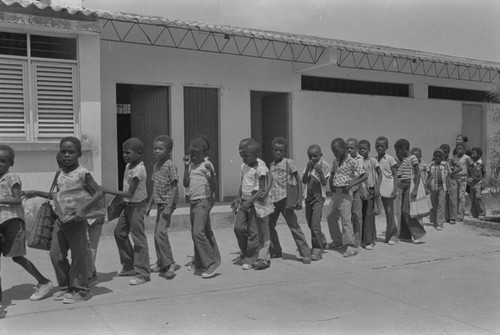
[166, 211]
[186, 160]
[245, 205]
[28, 194]
[394, 194]
[376, 191]
[310, 164]
[414, 194]
[318, 169]
[235, 204]
[148, 209]
[299, 204]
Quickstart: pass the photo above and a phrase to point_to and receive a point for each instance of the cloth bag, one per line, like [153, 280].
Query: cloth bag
[292, 190]
[70, 200]
[386, 187]
[115, 208]
[419, 207]
[40, 234]
[263, 207]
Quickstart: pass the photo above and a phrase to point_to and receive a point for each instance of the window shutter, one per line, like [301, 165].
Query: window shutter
[12, 100]
[54, 100]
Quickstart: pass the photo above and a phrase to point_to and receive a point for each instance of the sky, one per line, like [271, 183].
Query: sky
[461, 28]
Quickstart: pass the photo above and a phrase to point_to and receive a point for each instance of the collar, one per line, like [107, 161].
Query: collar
[479, 161]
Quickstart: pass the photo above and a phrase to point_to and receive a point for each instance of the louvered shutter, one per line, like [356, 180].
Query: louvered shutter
[54, 100]
[13, 105]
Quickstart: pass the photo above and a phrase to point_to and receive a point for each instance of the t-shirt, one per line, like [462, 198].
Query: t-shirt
[282, 173]
[370, 165]
[71, 181]
[385, 164]
[7, 212]
[250, 178]
[405, 169]
[199, 181]
[465, 162]
[138, 171]
[163, 177]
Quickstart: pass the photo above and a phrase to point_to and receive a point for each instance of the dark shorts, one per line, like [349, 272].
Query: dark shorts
[13, 238]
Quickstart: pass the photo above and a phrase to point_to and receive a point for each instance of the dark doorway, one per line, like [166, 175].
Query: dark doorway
[269, 115]
[143, 111]
[201, 117]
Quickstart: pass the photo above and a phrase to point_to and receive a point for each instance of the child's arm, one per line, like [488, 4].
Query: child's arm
[185, 179]
[361, 178]
[299, 185]
[236, 202]
[33, 193]
[167, 207]
[267, 185]
[16, 196]
[394, 170]
[150, 203]
[255, 194]
[416, 170]
[306, 172]
[97, 193]
[429, 179]
[379, 181]
[125, 193]
[212, 181]
[457, 169]
[320, 173]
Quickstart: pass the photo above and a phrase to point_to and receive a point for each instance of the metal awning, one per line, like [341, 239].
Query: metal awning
[223, 39]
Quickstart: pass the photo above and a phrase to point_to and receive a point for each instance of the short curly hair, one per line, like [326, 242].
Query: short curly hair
[279, 140]
[10, 151]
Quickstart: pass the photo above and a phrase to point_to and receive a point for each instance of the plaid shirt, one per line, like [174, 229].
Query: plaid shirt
[477, 171]
[344, 173]
[435, 171]
[282, 172]
[7, 212]
[163, 177]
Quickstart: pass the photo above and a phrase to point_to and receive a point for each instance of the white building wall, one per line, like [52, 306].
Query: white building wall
[318, 117]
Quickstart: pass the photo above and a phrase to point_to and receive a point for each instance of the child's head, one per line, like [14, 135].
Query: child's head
[338, 148]
[381, 145]
[70, 149]
[242, 144]
[417, 152]
[402, 148]
[204, 138]
[250, 151]
[438, 155]
[132, 150]
[279, 146]
[446, 149]
[162, 147]
[364, 148]
[314, 153]
[352, 147]
[476, 153]
[7, 156]
[460, 149]
[462, 139]
[198, 149]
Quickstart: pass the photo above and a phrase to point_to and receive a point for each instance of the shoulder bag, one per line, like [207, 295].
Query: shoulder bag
[292, 190]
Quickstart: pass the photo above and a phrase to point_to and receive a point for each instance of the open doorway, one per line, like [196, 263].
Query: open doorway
[269, 117]
[143, 111]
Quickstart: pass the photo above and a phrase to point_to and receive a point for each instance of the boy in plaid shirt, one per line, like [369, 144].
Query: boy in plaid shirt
[477, 174]
[437, 182]
[165, 178]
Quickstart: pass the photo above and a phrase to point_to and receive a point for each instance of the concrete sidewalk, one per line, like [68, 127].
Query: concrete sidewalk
[449, 285]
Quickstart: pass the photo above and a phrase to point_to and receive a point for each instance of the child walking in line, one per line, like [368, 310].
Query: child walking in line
[357, 206]
[165, 178]
[438, 176]
[422, 166]
[200, 177]
[408, 170]
[368, 190]
[346, 173]
[451, 203]
[283, 171]
[12, 225]
[252, 232]
[134, 259]
[315, 178]
[388, 188]
[465, 162]
[477, 174]
[70, 232]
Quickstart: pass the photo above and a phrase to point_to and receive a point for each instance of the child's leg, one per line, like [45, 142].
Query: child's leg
[440, 219]
[275, 248]
[477, 208]
[369, 232]
[94, 234]
[452, 200]
[357, 215]
[252, 251]
[140, 251]
[264, 240]
[462, 184]
[404, 232]
[434, 209]
[30, 267]
[344, 202]
[75, 233]
[317, 247]
[211, 237]
[240, 231]
[391, 230]
[59, 256]
[333, 220]
[122, 230]
[163, 249]
[200, 209]
[297, 233]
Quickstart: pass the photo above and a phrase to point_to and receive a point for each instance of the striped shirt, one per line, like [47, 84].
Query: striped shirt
[163, 177]
[405, 171]
[7, 212]
[282, 173]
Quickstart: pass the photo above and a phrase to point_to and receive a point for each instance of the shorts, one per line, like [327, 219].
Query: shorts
[13, 238]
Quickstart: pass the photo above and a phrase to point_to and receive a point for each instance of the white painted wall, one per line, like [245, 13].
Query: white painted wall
[318, 117]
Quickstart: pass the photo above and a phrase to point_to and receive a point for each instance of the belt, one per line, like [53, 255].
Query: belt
[340, 189]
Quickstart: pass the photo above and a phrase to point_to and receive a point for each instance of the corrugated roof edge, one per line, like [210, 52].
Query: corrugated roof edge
[261, 34]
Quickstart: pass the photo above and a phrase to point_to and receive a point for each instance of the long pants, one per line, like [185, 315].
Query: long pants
[477, 206]
[94, 235]
[252, 234]
[369, 235]
[314, 212]
[70, 236]
[462, 185]
[410, 227]
[206, 251]
[164, 256]
[291, 221]
[391, 230]
[451, 209]
[341, 208]
[131, 221]
[357, 215]
[438, 199]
